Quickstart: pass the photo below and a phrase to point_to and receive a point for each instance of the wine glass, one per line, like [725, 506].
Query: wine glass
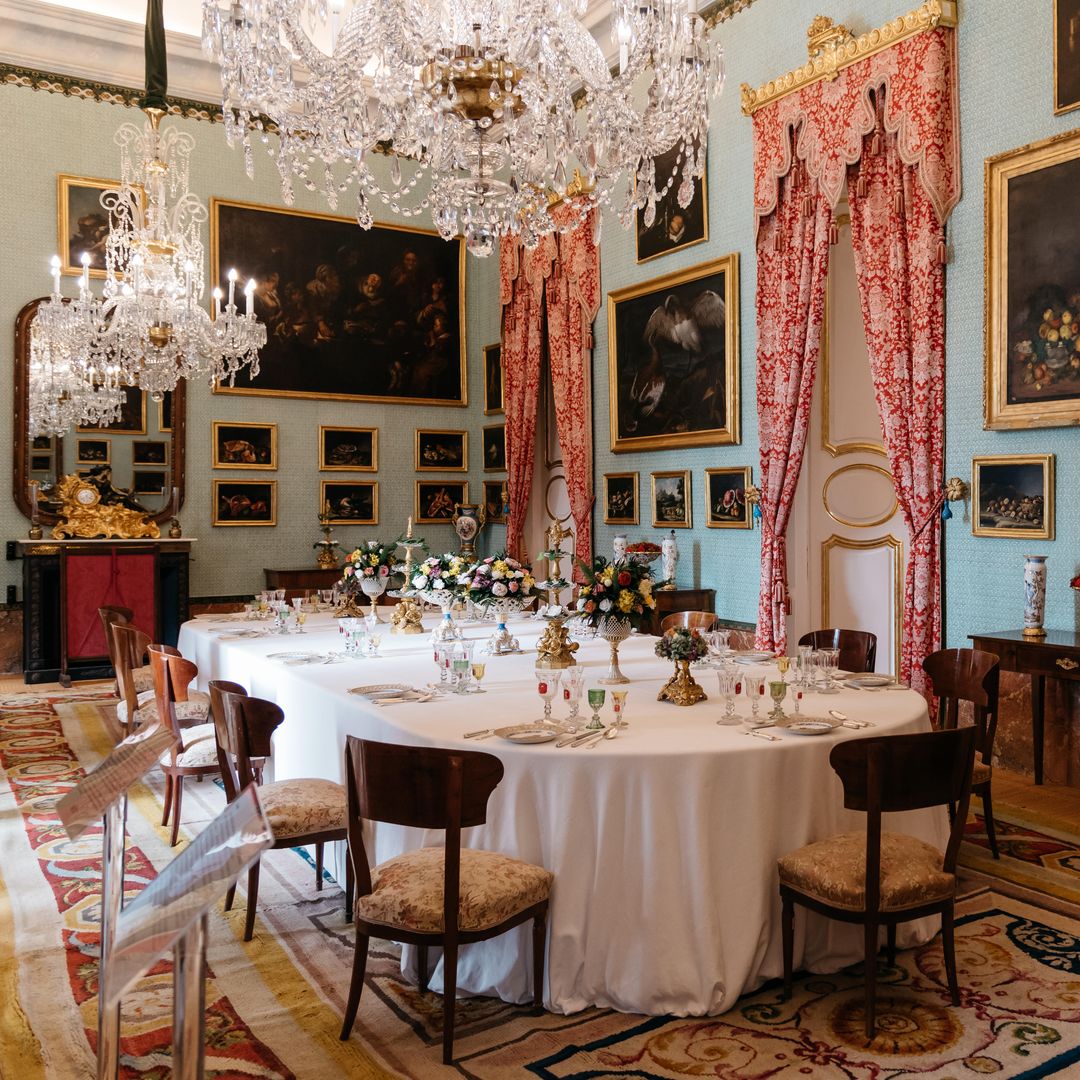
[777, 691]
[728, 682]
[796, 697]
[327, 597]
[830, 663]
[618, 703]
[373, 643]
[478, 670]
[279, 595]
[439, 664]
[547, 684]
[572, 687]
[755, 688]
[804, 664]
[784, 664]
[597, 696]
[460, 666]
[301, 618]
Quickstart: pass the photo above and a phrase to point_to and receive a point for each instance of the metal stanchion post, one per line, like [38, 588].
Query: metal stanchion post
[189, 1002]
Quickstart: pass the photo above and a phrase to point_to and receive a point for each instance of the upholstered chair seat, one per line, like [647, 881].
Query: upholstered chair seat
[981, 771]
[300, 807]
[833, 872]
[200, 749]
[143, 678]
[407, 891]
[190, 713]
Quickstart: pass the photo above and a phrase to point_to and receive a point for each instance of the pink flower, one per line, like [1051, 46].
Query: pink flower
[513, 586]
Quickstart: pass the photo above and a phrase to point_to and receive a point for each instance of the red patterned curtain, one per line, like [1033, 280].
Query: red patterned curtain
[890, 124]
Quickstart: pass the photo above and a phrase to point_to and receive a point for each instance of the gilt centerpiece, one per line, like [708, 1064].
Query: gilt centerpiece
[435, 581]
[505, 586]
[367, 572]
[616, 598]
[683, 646]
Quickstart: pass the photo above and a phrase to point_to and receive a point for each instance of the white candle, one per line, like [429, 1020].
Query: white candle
[232, 287]
[55, 264]
[249, 292]
[408, 530]
[84, 285]
[217, 303]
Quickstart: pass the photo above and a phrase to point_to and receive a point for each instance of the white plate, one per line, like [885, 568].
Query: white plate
[869, 680]
[754, 659]
[305, 657]
[381, 690]
[527, 733]
[811, 726]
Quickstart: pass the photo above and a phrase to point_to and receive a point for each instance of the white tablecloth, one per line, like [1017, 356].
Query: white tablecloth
[663, 841]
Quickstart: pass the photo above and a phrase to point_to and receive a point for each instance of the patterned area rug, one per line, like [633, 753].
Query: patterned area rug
[274, 1004]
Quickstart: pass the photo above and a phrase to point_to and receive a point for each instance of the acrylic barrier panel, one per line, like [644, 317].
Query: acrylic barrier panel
[128, 762]
[165, 910]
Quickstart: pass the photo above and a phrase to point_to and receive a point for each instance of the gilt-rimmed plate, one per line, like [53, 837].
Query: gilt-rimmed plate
[810, 725]
[866, 679]
[528, 733]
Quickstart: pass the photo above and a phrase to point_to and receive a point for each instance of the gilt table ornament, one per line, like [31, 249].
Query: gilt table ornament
[683, 646]
[408, 615]
[91, 508]
[367, 572]
[327, 547]
[555, 650]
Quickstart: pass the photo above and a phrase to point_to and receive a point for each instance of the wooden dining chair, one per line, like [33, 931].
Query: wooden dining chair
[882, 878]
[445, 896]
[301, 812]
[691, 620]
[130, 652]
[970, 675]
[195, 751]
[113, 615]
[858, 648]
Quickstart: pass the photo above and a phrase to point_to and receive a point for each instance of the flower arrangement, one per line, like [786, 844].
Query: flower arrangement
[682, 644]
[498, 577]
[1075, 583]
[438, 572]
[373, 561]
[620, 589]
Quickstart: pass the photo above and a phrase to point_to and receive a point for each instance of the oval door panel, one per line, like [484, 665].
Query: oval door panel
[860, 496]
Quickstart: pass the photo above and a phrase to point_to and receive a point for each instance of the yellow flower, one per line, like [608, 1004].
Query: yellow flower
[501, 565]
[608, 575]
[650, 602]
[626, 600]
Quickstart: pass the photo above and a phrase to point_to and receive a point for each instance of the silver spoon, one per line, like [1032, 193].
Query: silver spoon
[610, 733]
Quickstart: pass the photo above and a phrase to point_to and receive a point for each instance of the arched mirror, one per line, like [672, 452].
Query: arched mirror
[143, 451]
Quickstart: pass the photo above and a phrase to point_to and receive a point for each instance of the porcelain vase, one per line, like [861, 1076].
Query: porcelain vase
[1034, 595]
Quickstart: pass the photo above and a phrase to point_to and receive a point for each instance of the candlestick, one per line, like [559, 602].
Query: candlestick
[232, 287]
[84, 284]
[217, 304]
[55, 263]
[408, 530]
[249, 292]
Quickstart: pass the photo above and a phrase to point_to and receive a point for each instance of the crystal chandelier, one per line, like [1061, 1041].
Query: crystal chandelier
[494, 109]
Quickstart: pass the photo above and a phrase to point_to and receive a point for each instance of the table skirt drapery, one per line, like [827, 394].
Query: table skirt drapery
[663, 841]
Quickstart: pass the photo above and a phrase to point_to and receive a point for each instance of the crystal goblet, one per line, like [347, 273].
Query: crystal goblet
[597, 696]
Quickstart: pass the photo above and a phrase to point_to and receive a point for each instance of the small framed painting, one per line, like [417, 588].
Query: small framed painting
[82, 223]
[495, 501]
[674, 227]
[132, 415]
[164, 412]
[621, 498]
[348, 449]
[149, 452]
[671, 499]
[436, 499]
[725, 498]
[244, 446]
[442, 451]
[245, 502]
[495, 448]
[1012, 495]
[42, 442]
[350, 502]
[494, 402]
[41, 462]
[92, 452]
[149, 482]
[1066, 55]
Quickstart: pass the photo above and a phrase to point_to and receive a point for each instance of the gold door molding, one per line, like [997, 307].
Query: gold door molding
[847, 521]
[896, 546]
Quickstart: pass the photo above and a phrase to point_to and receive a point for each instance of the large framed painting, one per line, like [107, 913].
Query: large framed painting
[621, 498]
[436, 499]
[673, 359]
[494, 401]
[1012, 495]
[438, 450]
[132, 415]
[725, 498]
[1066, 55]
[674, 227]
[350, 502]
[149, 452]
[348, 449]
[1032, 286]
[245, 502]
[376, 315]
[239, 445]
[82, 223]
[671, 499]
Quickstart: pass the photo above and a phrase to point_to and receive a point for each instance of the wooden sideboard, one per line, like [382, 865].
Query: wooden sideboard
[297, 582]
[671, 600]
[66, 581]
[1057, 655]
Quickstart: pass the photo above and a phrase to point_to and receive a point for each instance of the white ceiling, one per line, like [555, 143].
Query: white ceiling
[183, 16]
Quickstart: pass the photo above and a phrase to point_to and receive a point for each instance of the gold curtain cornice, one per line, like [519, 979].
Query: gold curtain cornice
[833, 48]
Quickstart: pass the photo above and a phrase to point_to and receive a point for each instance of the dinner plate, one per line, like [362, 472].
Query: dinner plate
[868, 680]
[380, 690]
[810, 725]
[752, 656]
[528, 733]
[298, 657]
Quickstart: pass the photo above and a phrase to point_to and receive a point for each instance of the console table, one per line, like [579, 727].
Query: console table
[295, 582]
[1056, 655]
[66, 581]
[671, 600]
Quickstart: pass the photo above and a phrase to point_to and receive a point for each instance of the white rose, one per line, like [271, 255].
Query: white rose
[581, 604]
[605, 605]
[438, 583]
[498, 589]
[419, 581]
[496, 574]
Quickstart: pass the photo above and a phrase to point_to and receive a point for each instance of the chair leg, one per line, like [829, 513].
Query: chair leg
[230, 896]
[948, 947]
[539, 940]
[356, 986]
[178, 798]
[422, 967]
[168, 799]
[988, 814]
[787, 925]
[450, 953]
[318, 866]
[252, 899]
[870, 949]
[350, 886]
[890, 931]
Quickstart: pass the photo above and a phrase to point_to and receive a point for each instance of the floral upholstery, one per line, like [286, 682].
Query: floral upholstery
[143, 678]
[304, 807]
[833, 871]
[981, 771]
[200, 748]
[407, 891]
[189, 713]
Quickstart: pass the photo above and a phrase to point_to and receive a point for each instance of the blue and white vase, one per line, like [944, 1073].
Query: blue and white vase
[1034, 595]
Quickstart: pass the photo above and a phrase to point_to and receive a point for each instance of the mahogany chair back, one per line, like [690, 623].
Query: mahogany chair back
[967, 675]
[128, 648]
[691, 620]
[172, 677]
[858, 648]
[221, 694]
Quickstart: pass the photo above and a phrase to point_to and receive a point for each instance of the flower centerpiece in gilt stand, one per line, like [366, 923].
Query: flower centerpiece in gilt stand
[615, 598]
[684, 647]
[555, 649]
[435, 581]
[367, 570]
[505, 586]
[407, 617]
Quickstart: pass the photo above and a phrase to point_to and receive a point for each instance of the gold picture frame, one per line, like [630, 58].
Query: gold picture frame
[494, 387]
[661, 395]
[677, 497]
[699, 204]
[69, 189]
[620, 492]
[1032, 372]
[441, 450]
[100, 455]
[1020, 479]
[1066, 77]
[328, 489]
[330, 445]
[230, 510]
[720, 513]
[494, 446]
[256, 451]
[452, 493]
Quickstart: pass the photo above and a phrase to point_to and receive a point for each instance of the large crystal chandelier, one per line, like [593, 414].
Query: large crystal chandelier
[494, 109]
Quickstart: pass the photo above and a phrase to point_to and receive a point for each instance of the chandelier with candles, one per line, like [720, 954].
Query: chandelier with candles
[491, 108]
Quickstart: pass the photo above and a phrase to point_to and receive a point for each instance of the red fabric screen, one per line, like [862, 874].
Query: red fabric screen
[93, 580]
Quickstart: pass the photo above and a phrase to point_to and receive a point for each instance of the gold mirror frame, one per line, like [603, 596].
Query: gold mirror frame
[21, 439]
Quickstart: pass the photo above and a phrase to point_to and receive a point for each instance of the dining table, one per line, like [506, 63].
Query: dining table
[663, 840]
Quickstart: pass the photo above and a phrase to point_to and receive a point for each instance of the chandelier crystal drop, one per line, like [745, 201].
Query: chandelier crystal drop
[495, 110]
